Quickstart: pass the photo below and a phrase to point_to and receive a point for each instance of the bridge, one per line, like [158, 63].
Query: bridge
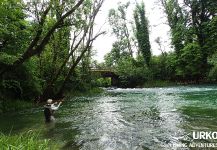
[107, 73]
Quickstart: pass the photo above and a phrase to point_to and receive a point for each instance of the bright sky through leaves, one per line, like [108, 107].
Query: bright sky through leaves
[157, 26]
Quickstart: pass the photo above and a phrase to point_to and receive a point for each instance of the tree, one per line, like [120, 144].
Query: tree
[15, 32]
[177, 22]
[87, 43]
[142, 33]
[41, 39]
[57, 40]
[119, 23]
[189, 63]
[201, 15]
[132, 74]
[159, 42]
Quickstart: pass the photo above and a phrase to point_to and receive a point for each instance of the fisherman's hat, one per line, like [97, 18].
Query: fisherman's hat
[49, 101]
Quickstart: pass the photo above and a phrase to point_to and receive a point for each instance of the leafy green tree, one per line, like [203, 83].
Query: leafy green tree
[189, 64]
[15, 32]
[131, 73]
[39, 58]
[142, 32]
[177, 22]
[191, 22]
[109, 61]
[212, 75]
[42, 35]
[211, 31]
[117, 51]
[86, 46]
[171, 63]
[201, 14]
[120, 28]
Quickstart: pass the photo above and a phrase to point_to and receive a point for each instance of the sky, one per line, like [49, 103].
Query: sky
[157, 26]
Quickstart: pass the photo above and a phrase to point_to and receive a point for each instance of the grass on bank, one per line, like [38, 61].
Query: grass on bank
[14, 105]
[25, 141]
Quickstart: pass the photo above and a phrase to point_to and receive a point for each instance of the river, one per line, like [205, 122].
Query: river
[125, 119]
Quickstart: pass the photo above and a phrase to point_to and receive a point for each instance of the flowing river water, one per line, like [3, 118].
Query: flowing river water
[126, 119]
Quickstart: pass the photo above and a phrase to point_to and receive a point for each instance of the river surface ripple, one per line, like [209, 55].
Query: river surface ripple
[132, 119]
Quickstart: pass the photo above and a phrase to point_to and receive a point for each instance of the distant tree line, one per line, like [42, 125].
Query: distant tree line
[193, 37]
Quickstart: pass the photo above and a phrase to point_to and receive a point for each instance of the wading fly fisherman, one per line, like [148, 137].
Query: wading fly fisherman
[49, 109]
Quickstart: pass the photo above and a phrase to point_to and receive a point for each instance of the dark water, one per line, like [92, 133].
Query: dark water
[126, 119]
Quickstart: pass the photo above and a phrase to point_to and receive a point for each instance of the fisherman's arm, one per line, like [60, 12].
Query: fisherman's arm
[53, 107]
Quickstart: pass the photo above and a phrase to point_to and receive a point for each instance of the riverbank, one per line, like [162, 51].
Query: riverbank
[18, 105]
[14, 105]
[166, 83]
[159, 83]
[28, 140]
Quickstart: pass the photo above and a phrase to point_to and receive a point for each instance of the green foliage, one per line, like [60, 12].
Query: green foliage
[109, 60]
[193, 37]
[158, 67]
[159, 83]
[28, 140]
[211, 30]
[171, 63]
[42, 45]
[14, 29]
[103, 82]
[48, 68]
[132, 73]
[142, 33]
[163, 67]
[11, 86]
[21, 83]
[31, 81]
[14, 105]
[117, 52]
[117, 19]
[192, 22]
[51, 59]
[120, 28]
[213, 71]
[177, 22]
[189, 65]
[7, 58]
